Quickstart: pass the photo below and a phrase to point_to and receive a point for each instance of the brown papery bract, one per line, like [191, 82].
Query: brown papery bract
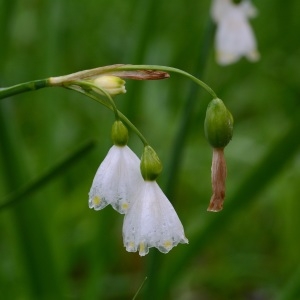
[114, 70]
[218, 178]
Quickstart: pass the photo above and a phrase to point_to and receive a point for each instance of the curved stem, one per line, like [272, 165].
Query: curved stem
[79, 87]
[133, 128]
[37, 84]
[23, 87]
[91, 86]
[121, 116]
[169, 69]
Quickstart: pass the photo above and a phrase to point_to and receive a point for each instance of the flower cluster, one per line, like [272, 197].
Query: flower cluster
[234, 36]
[129, 185]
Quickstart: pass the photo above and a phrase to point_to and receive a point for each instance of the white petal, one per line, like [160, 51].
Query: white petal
[116, 180]
[152, 221]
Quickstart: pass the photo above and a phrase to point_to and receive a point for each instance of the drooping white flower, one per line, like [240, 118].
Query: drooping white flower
[151, 221]
[116, 180]
[234, 36]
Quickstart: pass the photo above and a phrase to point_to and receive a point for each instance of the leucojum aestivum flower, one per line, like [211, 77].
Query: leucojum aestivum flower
[234, 36]
[127, 182]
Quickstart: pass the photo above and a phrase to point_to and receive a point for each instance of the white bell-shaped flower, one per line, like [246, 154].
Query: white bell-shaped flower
[116, 180]
[151, 221]
[234, 36]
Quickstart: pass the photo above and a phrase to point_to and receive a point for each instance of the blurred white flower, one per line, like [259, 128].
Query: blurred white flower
[152, 221]
[116, 180]
[234, 36]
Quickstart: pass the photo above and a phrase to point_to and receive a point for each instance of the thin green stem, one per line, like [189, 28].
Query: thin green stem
[85, 87]
[77, 86]
[137, 292]
[169, 69]
[120, 115]
[38, 84]
[89, 86]
[23, 87]
[133, 128]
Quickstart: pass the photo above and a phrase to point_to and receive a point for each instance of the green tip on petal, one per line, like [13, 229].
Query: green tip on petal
[218, 124]
[119, 134]
[151, 165]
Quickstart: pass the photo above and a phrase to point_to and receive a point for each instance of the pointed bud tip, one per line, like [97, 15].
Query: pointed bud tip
[218, 124]
[151, 165]
[119, 134]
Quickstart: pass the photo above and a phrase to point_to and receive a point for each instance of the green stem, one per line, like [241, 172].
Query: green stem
[137, 292]
[23, 87]
[42, 83]
[89, 86]
[38, 84]
[169, 69]
[133, 128]
[120, 115]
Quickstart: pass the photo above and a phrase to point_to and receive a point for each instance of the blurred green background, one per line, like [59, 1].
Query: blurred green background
[52, 246]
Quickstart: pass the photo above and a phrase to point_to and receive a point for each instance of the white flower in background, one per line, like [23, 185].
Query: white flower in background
[152, 221]
[116, 180]
[234, 35]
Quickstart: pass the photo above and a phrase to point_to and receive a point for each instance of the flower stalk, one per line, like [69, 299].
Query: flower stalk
[23, 87]
[125, 71]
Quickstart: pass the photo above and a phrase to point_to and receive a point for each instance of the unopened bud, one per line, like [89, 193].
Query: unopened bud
[119, 134]
[151, 165]
[218, 124]
[113, 85]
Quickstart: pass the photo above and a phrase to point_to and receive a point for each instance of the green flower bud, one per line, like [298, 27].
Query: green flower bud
[113, 85]
[119, 134]
[151, 165]
[218, 124]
